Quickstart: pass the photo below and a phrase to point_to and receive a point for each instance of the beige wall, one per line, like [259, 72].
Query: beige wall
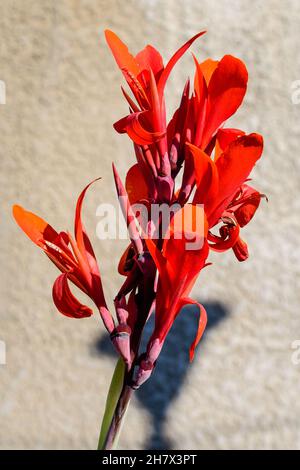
[56, 135]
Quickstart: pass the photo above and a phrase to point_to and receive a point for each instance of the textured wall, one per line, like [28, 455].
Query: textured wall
[242, 390]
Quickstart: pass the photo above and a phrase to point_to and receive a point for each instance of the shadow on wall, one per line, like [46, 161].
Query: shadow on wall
[157, 394]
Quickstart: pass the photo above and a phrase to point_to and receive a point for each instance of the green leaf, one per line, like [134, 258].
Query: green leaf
[112, 400]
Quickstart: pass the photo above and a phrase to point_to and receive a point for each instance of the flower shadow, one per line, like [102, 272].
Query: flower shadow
[157, 394]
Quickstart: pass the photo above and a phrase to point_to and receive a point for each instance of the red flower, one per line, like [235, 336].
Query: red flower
[179, 266]
[74, 257]
[221, 188]
[216, 164]
[146, 77]
[146, 123]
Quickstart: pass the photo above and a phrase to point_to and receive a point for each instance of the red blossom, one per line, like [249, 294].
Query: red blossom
[216, 163]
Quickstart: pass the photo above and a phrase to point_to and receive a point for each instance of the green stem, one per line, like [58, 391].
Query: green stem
[112, 436]
[114, 393]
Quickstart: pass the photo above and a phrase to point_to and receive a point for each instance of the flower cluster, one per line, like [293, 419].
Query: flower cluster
[210, 165]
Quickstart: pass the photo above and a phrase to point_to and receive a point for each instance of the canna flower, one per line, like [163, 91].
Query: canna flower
[196, 167]
[74, 257]
[146, 77]
[146, 124]
[216, 162]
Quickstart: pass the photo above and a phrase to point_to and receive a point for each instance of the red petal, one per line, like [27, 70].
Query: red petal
[223, 245]
[224, 138]
[200, 86]
[156, 118]
[34, 227]
[54, 244]
[89, 265]
[185, 243]
[240, 249]
[150, 58]
[188, 177]
[183, 271]
[135, 130]
[226, 91]
[130, 101]
[81, 237]
[65, 301]
[246, 210]
[201, 103]
[201, 324]
[206, 178]
[121, 54]
[128, 213]
[208, 67]
[177, 123]
[178, 267]
[158, 258]
[126, 261]
[135, 184]
[165, 74]
[234, 166]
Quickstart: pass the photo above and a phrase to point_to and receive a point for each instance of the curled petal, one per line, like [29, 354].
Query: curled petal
[132, 126]
[65, 301]
[245, 212]
[240, 250]
[224, 244]
[202, 322]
